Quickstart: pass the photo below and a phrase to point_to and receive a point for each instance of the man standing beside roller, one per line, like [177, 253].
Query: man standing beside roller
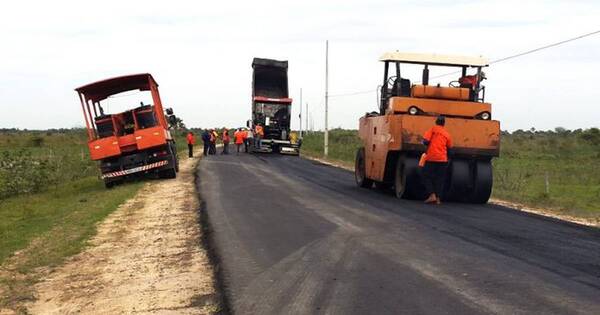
[438, 141]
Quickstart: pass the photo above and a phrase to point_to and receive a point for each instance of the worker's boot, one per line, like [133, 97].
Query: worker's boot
[431, 199]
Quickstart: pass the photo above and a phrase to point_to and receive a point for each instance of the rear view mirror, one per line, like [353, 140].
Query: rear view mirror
[249, 123]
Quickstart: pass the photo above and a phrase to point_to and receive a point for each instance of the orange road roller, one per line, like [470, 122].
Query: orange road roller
[392, 139]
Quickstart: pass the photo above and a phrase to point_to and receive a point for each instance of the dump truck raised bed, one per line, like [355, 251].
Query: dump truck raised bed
[272, 107]
[392, 138]
[130, 143]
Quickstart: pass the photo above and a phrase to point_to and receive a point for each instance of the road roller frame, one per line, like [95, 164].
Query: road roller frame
[392, 138]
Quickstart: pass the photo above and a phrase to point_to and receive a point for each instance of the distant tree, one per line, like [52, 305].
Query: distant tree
[591, 135]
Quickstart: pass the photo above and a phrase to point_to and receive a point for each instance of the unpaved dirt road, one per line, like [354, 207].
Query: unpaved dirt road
[146, 258]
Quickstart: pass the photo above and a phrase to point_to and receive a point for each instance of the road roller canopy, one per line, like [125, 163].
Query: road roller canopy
[435, 59]
[100, 90]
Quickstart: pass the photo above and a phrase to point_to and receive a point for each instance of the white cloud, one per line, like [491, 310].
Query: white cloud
[200, 54]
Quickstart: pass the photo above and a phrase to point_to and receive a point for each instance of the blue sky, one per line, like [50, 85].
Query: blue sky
[200, 53]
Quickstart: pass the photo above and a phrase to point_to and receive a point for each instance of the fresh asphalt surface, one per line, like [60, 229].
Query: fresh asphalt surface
[296, 236]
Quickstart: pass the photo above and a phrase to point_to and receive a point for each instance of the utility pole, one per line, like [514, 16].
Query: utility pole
[326, 138]
[307, 126]
[300, 116]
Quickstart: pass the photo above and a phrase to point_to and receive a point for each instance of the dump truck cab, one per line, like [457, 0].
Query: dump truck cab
[132, 142]
[272, 106]
[393, 137]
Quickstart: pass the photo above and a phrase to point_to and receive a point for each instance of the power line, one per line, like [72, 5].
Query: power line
[545, 47]
[497, 60]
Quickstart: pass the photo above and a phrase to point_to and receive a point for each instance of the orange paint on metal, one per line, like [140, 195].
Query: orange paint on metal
[150, 137]
[104, 147]
[399, 105]
[382, 134]
[438, 92]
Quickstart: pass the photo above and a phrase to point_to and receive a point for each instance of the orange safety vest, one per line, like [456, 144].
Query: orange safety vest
[439, 142]
[239, 137]
[190, 138]
[226, 137]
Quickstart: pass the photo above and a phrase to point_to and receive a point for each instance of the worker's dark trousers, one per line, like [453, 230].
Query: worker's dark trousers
[190, 150]
[206, 147]
[238, 146]
[225, 148]
[248, 142]
[434, 175]
[213, 148]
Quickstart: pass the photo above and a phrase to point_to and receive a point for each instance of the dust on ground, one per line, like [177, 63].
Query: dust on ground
[146, 258]
[552, 213]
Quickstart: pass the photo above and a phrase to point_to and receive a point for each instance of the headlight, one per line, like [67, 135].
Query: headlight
[413, 110]
[485, 116]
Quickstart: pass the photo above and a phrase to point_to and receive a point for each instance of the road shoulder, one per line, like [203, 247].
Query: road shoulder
[146, 257]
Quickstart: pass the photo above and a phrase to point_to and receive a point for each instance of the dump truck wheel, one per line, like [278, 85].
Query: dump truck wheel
[168, 173]
[458, 181]
[482, 188]
[109, 184]
[360, 170]
[175, 157]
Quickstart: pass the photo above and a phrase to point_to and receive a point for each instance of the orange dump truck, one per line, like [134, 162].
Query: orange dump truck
[130, 143]
[392, 138]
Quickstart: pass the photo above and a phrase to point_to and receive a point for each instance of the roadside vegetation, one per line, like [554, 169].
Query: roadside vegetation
[51, 198]
[557, 168]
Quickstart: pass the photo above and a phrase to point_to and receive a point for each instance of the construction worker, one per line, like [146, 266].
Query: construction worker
[213, 142]
[248, 139]
[259, 133]
[239, 138]
[226, 138]
[206, 141]
[437, 140]
[190, 143]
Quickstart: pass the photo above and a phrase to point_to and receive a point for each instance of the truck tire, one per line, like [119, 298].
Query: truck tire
[360, 173]
[168, 173]
[173, 150]
[483, 181]
[109, 184]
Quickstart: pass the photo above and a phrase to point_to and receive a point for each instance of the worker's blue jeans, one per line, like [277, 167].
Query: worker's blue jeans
[257, 142]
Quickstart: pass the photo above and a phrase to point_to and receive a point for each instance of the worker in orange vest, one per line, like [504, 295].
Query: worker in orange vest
[239, 136]
[259, 133]
[226, 140]
[213, 142]
[190, 143]
[438, 141]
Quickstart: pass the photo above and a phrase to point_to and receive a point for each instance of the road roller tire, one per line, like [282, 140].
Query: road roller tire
[407, 181]
[360, 171]
[483, 181]
[459, 181]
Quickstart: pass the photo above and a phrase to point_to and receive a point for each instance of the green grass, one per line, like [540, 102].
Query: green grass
[51, 199]
[50, 226]
[571, 160]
